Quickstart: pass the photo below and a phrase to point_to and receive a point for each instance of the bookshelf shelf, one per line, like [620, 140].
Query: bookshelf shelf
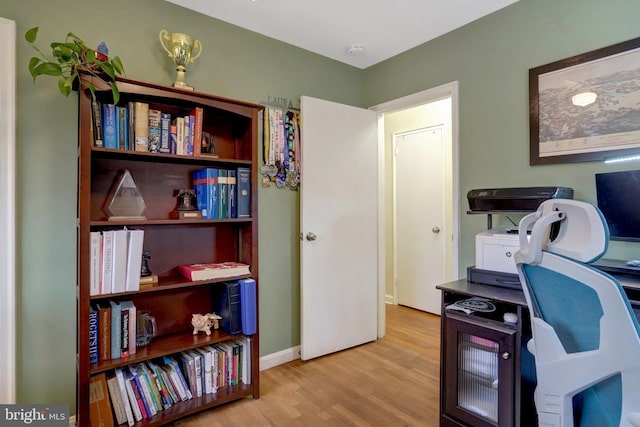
[233, 126]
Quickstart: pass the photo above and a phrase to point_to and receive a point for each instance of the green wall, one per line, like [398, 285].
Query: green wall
[489, 57]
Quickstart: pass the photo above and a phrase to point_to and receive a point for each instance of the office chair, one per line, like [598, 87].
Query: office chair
[586, 338]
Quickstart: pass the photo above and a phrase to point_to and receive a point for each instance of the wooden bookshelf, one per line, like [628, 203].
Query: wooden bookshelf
[172, 242]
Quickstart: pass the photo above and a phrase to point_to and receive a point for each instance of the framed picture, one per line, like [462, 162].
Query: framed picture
[587, 107]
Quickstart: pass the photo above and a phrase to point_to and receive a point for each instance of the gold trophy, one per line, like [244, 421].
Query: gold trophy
[182, 46]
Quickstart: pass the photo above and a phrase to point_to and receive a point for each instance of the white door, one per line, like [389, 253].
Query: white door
[419, 191]
[338, 224]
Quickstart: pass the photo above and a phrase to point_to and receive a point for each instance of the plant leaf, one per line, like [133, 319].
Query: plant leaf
[33, 63]
[48, 68]
[108, 69]
[92, 89]
[64, 89]
[115, 91]
[117, 65]
[31, 35]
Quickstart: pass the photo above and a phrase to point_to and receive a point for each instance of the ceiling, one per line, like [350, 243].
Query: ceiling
[360, 33]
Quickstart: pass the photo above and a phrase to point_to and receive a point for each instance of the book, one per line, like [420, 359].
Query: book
[109, 126]
[226, 303]
[122, 130]
[161, 384]
[116, 400]
[188, 136]
[207, 364]
[137, 393]
[146, 376]
[132, 125]
[165, 133]
[135, 242]
[176, 368]
[172, 139]
[176, 383]
[93, 335]
[141, 126]
[104, 331]
[243, 192]
[189, 370]
[143, 391]
[99, 405]
[198, 364]
[133, 312]
[179, 124]
[246, 371]
[214, 367]
[211, 271]
[119, 260]
[107, 262]
[96, 123]
[205, 182]
[248, 306]
[197, 115]
[125, 397]
[116, 325]
[232, 211]
[95, 262]
[154, 130]
[222, 194]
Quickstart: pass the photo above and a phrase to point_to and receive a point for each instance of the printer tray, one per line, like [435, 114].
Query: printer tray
[494, 278]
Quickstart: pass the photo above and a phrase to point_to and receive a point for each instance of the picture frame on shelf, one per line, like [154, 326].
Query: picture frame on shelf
[586, 107]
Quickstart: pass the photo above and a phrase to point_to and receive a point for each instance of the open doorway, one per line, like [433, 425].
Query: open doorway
[413, 110]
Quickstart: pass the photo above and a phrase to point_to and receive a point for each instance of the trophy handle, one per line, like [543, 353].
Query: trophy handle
[196, 45]
[164, 35]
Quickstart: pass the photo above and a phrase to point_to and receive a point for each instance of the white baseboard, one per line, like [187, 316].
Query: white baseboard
[388, 299]
[279, 358]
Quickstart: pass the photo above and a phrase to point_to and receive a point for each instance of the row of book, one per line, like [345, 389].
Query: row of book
[140, 391]
[112, 330]
[138, 127]
[223, 193]
[115, 261]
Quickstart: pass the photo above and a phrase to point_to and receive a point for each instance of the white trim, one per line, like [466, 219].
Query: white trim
[389, 299]
[419, 98]
[284, 356]
[8, 212]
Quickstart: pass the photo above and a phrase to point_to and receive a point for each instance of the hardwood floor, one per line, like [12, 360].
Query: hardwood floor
[393, 381]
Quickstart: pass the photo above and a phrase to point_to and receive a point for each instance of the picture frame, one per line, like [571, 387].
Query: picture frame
[586, 107]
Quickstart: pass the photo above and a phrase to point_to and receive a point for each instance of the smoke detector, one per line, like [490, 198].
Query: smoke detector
[355, 50]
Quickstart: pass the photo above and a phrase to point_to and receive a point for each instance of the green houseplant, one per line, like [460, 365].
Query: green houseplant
[73, 57]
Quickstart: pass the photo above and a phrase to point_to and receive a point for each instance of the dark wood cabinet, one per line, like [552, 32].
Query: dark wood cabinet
[172, 242]
[482, 359]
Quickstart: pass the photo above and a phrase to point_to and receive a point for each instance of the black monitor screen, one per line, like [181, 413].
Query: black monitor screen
[618, 196]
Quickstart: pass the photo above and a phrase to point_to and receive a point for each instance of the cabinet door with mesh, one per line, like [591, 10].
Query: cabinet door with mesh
[479, 371]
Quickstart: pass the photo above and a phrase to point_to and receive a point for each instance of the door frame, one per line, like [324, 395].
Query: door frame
[8, 212]
[426, 96]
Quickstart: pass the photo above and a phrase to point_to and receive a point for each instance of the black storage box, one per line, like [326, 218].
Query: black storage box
[514, 199]
[494, 278]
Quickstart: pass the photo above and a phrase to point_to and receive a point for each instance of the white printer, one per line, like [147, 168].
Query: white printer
[495, 249]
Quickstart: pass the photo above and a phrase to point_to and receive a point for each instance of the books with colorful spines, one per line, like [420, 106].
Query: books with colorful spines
[179, 124]
[95, 267]
[207, 364]
[198, 362]
[223, 197]
[143, 391]
[122, 131]
[240, 346]
[231, 351]
[173, 139]
[232, 210]
[165, 133]
[189, 370]
[127, 389]
[129, 307]
[146, 375]
[162, 384]
[141, 126]
[132, 125]
[154, 130]
[205, 182]
[210, 271]
[93, 335]
[135, 242]
[248, 305]
[104, 331]
[215, 368]
[124, 332]
[243, 192]
[109, 126]
[136, 392]
[169, 385]
[226, 303]
[96, 123]
[116, 322]
[125, 397]
[197, 115]
[99, 406]
[224, 366]
[116, 400]
[170, 361]
[179, 386]
[107, 262]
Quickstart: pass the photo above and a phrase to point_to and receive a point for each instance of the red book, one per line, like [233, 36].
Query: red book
[210, 271]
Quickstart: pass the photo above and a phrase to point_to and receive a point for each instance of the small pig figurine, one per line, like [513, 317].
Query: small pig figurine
[204, 322]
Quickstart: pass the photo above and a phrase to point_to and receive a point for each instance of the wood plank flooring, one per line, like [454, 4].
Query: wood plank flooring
[393, 381]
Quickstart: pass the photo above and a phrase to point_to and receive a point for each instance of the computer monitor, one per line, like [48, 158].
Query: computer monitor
[618, 195]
